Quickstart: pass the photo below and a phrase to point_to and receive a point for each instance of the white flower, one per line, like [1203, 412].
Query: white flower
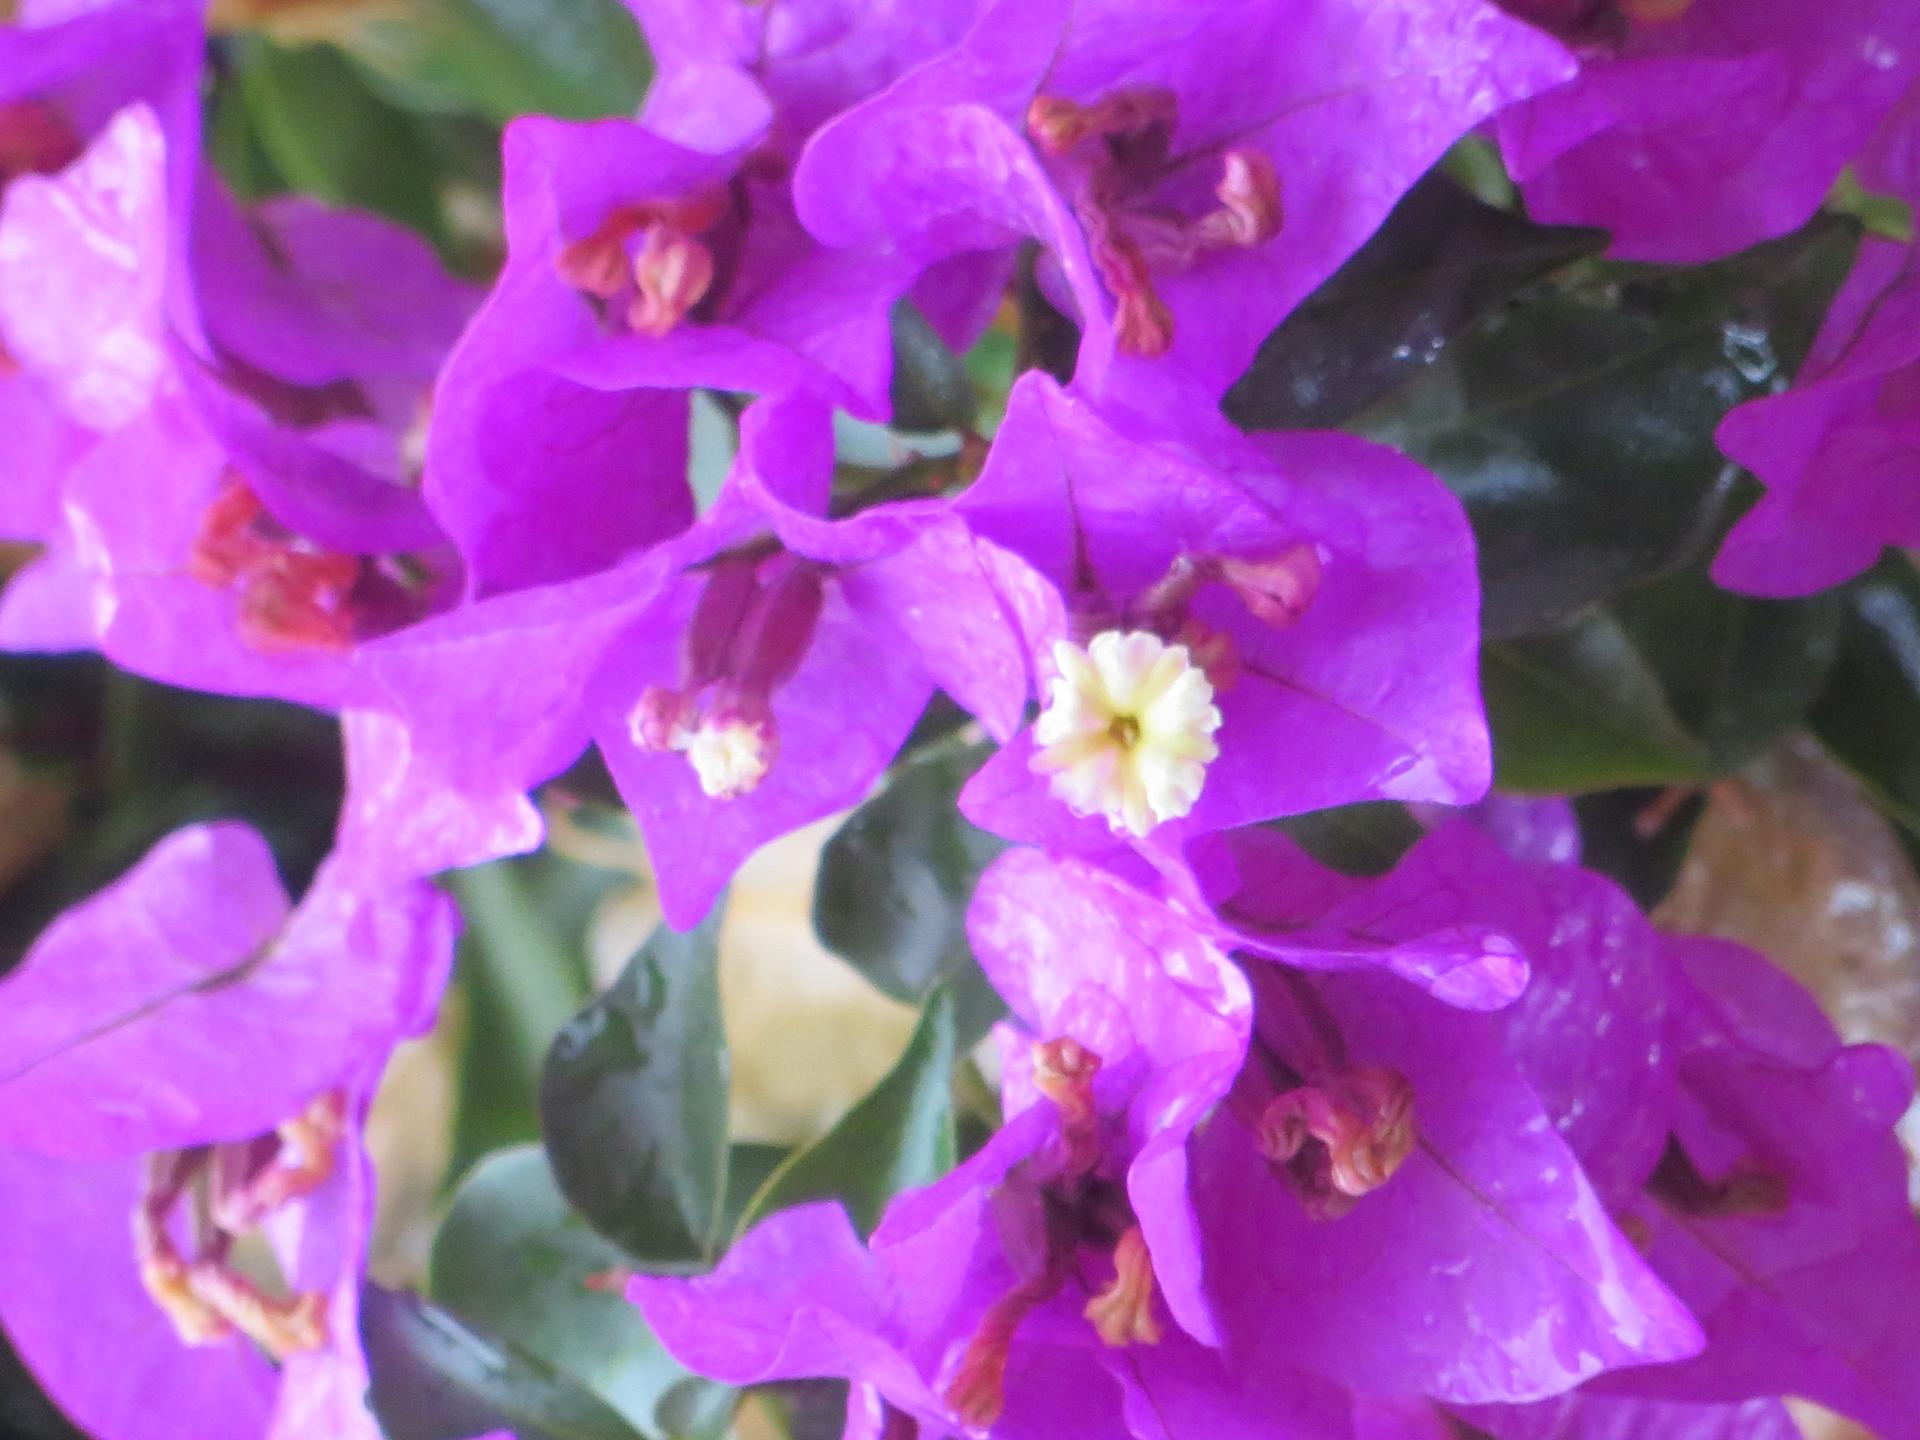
[1128, 729]
[731, 756]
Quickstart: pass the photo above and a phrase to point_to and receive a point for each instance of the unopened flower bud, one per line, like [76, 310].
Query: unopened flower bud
[1277, 589]
[661, 719]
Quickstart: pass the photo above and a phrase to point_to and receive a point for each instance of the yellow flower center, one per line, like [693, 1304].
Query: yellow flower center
[1128, 729]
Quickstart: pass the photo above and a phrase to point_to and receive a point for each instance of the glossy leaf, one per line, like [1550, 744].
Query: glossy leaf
[435, 1379]
[1738, 672]
[1366, 839]
[750, 1164]
[1578, 709]
[633, 1101]
[514, 1260]
[1869, 714]
[522, 974]
[1577, 423]
[579, 59]
[894, 882]
[326, 134]
[897, 1136]
[1441, 259]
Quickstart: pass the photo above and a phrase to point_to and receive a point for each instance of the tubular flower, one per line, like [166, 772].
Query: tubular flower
[1223, 601]
[180, 1151]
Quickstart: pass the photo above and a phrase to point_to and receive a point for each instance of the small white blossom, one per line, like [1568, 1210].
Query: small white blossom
[1128, 729]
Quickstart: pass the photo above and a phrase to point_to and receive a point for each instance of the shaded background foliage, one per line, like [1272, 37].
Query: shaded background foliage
[1570, 402]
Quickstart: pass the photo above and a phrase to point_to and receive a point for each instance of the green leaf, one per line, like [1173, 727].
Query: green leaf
[1577, 423]
[931, 387]
[633, 1101]
[750, 1164]
[1869, 714]
[579, 59]
[233, 143]
[434, 1379]
[1677, 681]
[1739, 673]
[897, 1136]
[514, 1260]
[1364, 839]
[894, 882]
[326, 134]
[1579, 709]
[522, 973]
[1441, 259]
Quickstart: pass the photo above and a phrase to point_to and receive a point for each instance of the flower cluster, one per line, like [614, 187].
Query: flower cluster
[1467, 1148]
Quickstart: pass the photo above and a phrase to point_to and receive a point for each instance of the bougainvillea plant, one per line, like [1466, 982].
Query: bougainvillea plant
[1313, 582]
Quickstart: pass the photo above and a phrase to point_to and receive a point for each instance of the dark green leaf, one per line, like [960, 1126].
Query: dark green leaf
[698, 1409]
[326, 134]
[1366, 839]
[1580, 709]
[434, 1379]
[894, 882]
[1639, 837]
[808, 1409]
[514, 1261]
[1869, 714]
[1577, 423]
[1441, 259]
[897, 1136]
[1739, 673]
[931, 387]
[633, 1101]
[522, 974]
[234, 145]
[749, 1166]
[580, 59]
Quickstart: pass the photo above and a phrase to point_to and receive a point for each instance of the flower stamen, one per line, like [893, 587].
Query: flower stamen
[1342, 1140]
[1064, 1072]
[294, 596]
[978, 1391]
[653, 255]
[1122, 1313]
[1128, 730]
[229, 1190]
[750, 631]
